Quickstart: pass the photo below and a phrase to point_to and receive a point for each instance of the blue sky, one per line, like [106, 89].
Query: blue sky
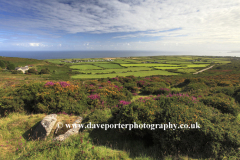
[164, 25]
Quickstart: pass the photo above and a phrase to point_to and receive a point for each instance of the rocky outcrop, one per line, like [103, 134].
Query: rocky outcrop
[70, 132]
[45, 127]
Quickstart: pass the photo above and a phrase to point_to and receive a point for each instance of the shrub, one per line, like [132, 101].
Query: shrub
[162, 91]
[45, 71]
[17, 72]
[214, 136]
[226, 90]
[237, 97]
[222, 102]
[99, 116]
[2, 64]
[153, 88]
[211, 83]
[141, 111]
[132, 87]
[11, 67]
[225, 83]
[194, 86]
[46, 98]
[32, 70]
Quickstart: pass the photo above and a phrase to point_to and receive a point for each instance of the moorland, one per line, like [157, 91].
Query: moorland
[151, 90]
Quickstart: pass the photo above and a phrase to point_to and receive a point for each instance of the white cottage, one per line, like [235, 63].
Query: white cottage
[23, 69]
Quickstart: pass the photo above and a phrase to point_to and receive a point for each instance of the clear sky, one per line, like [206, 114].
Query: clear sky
[164, 25]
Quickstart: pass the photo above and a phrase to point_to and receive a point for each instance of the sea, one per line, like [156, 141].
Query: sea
[41, 55]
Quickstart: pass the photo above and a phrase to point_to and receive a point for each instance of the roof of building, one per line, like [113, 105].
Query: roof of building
[23, 68]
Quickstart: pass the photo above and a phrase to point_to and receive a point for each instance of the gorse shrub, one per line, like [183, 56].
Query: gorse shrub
[225, 103]
[211, 83]
[140, 112]
[226, 90]
[195, 86]
[131, 87]
[225, 83]
[214, 134]
[46, 98]
[153, 88]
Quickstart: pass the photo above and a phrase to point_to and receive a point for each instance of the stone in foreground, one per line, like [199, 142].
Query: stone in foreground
[70, 132]
[45, 127]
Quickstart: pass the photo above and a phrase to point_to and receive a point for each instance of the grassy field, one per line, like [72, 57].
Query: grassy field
[84, 67]
[136, 74]
[187, 70]
[89, 144]
[147, 65]
[168, 67]
[197, 65]
[219, 61]
[129, 69]
[178, 62]
[23, 61]
[108, 66]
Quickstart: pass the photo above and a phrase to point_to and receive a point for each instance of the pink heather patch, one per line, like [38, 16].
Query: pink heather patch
[94, 96]
[164, 89]
[124, 102]
[49, 84]
[64, 84]
[135, 94]
[116, 78]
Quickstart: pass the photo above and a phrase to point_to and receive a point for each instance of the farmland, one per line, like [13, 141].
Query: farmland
[136, 74]
[84, 67]
[108, 66]
[137, 66]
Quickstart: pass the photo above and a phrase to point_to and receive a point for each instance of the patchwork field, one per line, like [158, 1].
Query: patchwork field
[129, 69]
[84, 67]
[168, 67]
[108, 66]
[141, 66]
[197, 65]
[187, 70]
[147, 65]
[136, 74]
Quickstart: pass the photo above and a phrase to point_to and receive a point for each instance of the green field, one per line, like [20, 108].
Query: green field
[84, 67]
[187, 70]
[147, 65]
[130, 69]
[218, 61]
[169, 67]
[108, 66]
[55, 61]
[202, 62]
[197, 65]
[178, 62]
[136, 74]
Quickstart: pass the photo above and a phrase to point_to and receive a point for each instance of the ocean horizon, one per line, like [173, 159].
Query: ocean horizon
[41, 55]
